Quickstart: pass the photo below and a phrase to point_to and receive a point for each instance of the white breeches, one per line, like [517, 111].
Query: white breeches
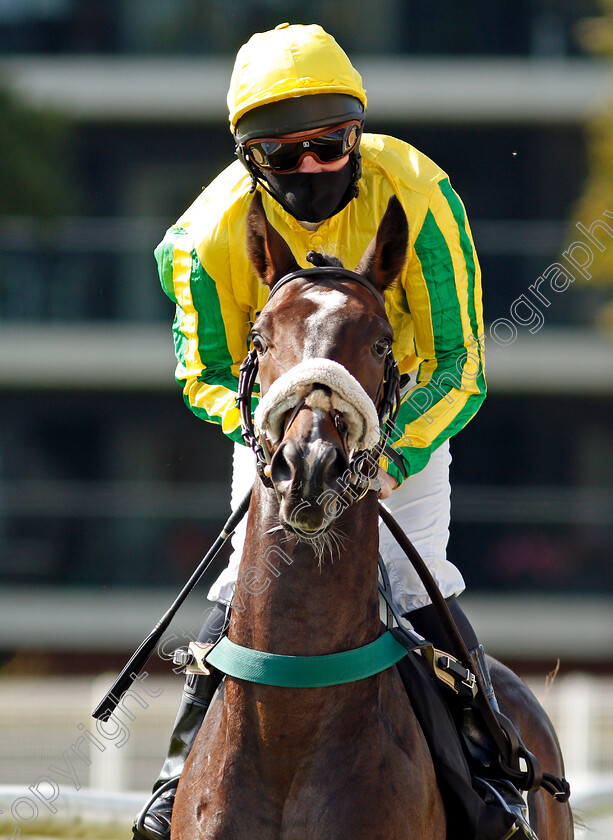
[421, 506]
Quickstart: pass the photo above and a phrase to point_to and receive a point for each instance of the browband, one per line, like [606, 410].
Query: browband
[333, 272]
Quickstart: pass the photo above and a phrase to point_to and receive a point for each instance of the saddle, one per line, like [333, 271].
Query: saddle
[469, 815]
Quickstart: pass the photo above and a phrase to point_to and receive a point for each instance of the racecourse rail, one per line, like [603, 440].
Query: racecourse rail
[59, 764]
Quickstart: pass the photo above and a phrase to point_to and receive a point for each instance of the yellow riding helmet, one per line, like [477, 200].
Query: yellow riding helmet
[293, 61]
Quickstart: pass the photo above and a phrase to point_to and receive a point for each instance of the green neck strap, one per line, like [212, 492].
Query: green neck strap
[306, 671]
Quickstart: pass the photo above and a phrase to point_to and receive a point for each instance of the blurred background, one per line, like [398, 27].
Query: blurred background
[112, 119]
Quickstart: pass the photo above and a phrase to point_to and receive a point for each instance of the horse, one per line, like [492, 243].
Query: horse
[338, 761]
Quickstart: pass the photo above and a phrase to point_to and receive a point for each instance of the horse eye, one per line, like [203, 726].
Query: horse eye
[382, 346]
[259, 344]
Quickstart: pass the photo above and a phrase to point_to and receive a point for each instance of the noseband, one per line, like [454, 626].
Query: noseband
[363, 463]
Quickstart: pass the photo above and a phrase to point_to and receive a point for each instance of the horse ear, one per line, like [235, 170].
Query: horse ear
[269, 253]
[386, 255]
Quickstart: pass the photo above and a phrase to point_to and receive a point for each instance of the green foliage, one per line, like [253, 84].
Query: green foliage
[596, 35]
[35, 169]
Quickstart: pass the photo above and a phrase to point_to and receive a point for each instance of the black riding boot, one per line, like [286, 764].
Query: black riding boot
[153, 821]
[481, 747]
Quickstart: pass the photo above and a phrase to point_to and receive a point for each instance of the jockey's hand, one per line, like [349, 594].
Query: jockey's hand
[388, 483]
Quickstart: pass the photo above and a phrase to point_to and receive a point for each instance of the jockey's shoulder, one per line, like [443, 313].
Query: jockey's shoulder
[389, 157]
[217, 203]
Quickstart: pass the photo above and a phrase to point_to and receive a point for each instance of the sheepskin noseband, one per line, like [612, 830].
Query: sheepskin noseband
[300, 383]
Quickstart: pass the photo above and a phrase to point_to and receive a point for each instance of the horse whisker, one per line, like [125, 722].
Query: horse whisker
[329, 543]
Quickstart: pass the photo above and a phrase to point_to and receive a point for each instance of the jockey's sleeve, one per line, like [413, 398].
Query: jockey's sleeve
[206, 370]
[443, 290]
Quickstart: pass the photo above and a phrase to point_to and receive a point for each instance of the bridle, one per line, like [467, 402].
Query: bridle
[364, 462]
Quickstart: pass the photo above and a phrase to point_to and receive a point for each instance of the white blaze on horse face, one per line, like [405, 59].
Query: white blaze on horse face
[318, 324]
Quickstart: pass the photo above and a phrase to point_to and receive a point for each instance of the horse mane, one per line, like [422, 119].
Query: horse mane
[319, 260]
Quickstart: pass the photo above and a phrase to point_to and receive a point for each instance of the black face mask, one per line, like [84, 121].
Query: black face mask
[313, 196]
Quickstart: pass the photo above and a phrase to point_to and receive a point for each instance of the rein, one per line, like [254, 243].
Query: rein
[360, 470]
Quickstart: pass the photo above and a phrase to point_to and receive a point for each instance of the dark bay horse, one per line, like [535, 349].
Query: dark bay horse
[340, 762]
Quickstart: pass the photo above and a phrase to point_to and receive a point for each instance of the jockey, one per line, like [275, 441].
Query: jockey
[297, 109]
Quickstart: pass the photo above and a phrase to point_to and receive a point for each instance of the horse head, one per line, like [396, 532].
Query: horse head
[322, 342]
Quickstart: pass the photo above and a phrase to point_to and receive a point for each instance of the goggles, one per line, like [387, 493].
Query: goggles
[326, 145]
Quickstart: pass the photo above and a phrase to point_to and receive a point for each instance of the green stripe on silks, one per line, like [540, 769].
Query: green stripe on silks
[211, 331]
[451, 353]
[445, 310]
[211, 326]
[164, 256]
[459, 215]
[469, 256]
[306, 671]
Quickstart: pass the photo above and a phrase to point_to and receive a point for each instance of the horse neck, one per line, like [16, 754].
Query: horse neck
[288, 602]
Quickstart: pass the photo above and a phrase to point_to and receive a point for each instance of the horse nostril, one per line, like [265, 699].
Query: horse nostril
[307, 470]
[284, 462]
